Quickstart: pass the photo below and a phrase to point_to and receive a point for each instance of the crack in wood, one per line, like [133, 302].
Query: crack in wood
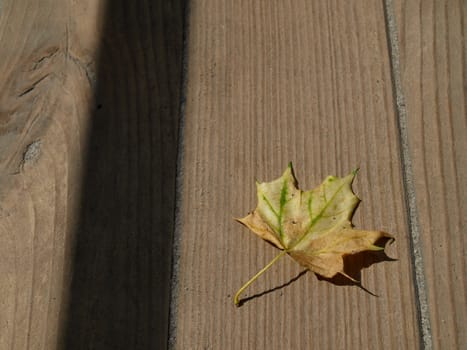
[45, 58]
[33, 86]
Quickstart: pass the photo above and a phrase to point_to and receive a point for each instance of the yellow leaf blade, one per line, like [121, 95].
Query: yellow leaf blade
[258, 226]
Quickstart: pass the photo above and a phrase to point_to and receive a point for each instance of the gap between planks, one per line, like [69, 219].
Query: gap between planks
[408, 182]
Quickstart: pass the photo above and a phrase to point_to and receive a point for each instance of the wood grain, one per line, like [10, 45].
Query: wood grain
[271, 82]
[88, 144]
[433, 71]
[45, 94]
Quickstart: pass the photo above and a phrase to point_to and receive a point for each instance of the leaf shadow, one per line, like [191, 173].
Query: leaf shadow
[353, 266]
[275, 289]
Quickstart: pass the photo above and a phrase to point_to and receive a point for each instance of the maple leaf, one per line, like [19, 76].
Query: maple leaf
[313, 227]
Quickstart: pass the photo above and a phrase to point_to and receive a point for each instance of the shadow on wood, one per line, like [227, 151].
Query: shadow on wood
[353, 264]
[275, 289]
[119, 293]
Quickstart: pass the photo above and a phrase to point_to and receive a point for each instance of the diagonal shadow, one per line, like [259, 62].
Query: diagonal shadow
[119, 292]
[275, 289]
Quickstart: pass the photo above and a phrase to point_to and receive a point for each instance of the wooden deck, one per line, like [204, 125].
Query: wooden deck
[131, 134]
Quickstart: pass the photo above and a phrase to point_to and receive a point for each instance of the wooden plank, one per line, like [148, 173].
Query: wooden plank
[271, 82]
[45, 96]
[88, 144]
[433, 74]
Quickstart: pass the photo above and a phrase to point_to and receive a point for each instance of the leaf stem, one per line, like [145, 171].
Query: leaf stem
[245, 286]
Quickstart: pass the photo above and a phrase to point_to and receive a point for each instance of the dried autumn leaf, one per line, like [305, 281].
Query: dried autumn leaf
[313, 227]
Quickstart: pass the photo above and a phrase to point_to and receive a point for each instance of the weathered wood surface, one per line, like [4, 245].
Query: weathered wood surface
[271, 82]
[432, 36]
[89, 102]
[44, 97]
[88, 141]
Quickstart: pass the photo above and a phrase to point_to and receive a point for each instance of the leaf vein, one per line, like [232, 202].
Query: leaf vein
[282, 202]
[270, 206]
[317, 217]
